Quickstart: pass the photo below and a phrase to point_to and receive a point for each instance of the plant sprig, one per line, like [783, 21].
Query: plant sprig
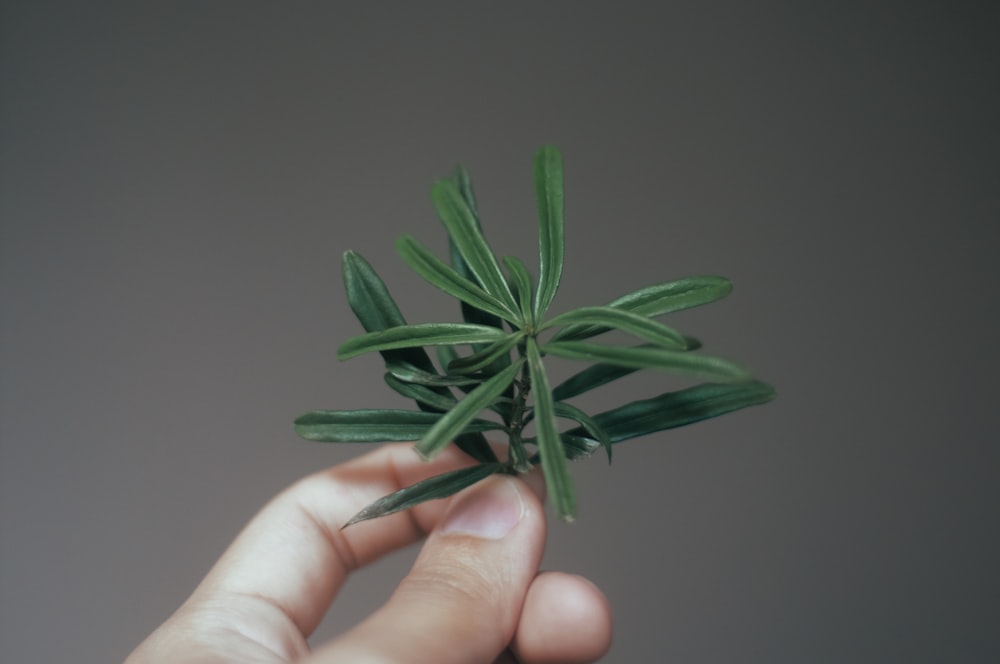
[502, 381]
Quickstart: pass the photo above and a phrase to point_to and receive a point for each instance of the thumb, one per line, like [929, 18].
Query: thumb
[462, 599]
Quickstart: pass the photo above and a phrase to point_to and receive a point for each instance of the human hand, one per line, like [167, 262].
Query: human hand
[473, 595]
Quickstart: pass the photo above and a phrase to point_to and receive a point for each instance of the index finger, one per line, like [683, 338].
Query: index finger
[294, 555]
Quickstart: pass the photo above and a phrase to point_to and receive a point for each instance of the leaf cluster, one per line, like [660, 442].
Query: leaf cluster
[490, 374]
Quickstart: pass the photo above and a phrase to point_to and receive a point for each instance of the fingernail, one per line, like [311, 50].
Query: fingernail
[489, 513]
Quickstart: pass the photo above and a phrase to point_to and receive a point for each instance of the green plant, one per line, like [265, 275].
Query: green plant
[507, 326]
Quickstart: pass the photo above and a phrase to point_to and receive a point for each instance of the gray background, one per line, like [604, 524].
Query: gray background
[180, 179]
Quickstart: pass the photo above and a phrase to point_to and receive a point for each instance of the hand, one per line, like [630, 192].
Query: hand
[474, 593]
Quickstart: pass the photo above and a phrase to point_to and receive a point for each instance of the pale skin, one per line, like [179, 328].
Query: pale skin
[474, 594]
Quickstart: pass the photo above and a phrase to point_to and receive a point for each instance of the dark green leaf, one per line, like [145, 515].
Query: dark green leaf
[521, 281]
[441, 276]
[626, 321]
[657, 300]
[475, 445]
[368, 294]
[578, 447]
[590, 425]
[423, 334]
[550, 448]
[485, 357]
[374, 425]
[375, 309]
[456, 420]
[601, 374]
[370, 300]
[463, 181]
[548, 173]
[446, 355]
[690, 343]
[439, 486]
[704, 366]
[464, 232]
[421, 393]
[470, 314]
[411, 374]
[675, 409]
[575, 446]
[586, 380]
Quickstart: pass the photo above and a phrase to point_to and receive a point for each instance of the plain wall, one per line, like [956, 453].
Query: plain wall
[178, 182]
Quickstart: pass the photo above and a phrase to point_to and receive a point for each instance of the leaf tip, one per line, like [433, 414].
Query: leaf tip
[424, 455]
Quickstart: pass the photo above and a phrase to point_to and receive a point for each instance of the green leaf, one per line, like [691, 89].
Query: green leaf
[704, 366]
[423, 334]
[446, 355]
[675, 409]
[588, 379]
[456, 420]
[368, 295]
[575, 446]
[637, 324]
[411, 374]
[441, 276]
[375, 425]
[470, 314]
[601, 374]
[463, 229]
[550, 447]
[439, 486]
[548, 172]
[486, 357]
[422, 394]
[376, 310]
[521, 281]
[590, 425]
[657, 300]
[463, 181]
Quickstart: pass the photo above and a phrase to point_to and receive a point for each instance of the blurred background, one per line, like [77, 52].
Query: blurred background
[179, 180]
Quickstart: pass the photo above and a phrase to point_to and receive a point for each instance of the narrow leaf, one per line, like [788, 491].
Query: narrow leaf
[446, 355]
[455, 420]
[550, 448]
[464, 231]
[657, 300]
[368, 294]
[441, 276]
[374, 307]
[521, 281]
[675, 409]
[411, 374]
[592, 377]
[548, 172]
[589, 424]
[376, 310]
[423, 334]
[463, 181]
[487, 356]
[578, 447]
[601, 374]
[575, 446]
[374, 425]
[627, 321]
[421, 393]
[439, 486]
[704, 366]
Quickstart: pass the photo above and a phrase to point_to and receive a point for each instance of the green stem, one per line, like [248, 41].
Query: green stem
[518, 455]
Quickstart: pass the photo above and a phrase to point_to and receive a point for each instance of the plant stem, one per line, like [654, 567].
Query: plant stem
[518, 455]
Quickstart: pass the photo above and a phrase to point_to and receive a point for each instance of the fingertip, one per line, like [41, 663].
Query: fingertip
[565, 619]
